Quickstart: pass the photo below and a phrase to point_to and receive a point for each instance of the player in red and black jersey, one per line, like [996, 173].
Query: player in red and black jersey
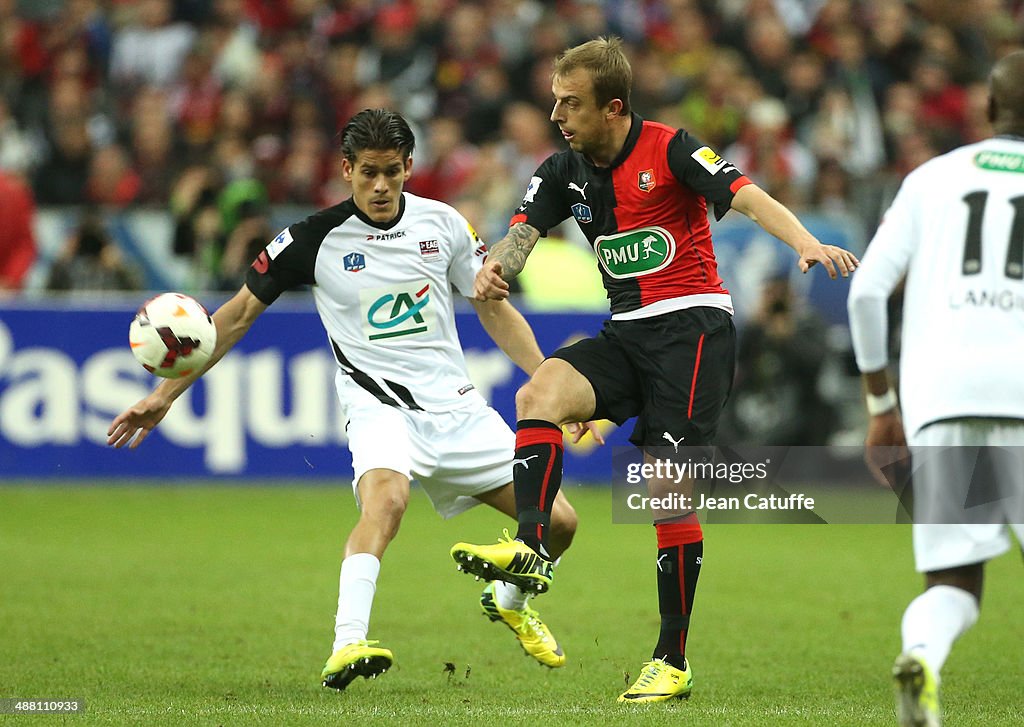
[640, 192]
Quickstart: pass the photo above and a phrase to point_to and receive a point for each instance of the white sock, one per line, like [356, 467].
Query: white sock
[934, 620]
[356, 587]
[510, 597]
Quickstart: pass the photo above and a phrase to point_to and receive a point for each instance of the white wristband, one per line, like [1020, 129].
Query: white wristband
[882, 403]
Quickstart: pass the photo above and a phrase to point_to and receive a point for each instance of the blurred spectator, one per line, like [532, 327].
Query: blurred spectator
[236, 44]
[151, 49]
[445, 169]
[299, 179]
[194, 101]
[769, 154]
[154, 154]
[396, 57]
[654, 86]
[63, 177]
[489, 93]
[92, 261]
[468, 47]
[221, 229]
[895, 39]
[943, 103]
[713, 109]
[18, 151]
[112, 180]
[769, 49]
[527, 135]
[781, 354]
[17, 241]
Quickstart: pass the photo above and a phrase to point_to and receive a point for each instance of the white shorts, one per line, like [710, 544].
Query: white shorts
[453, 455]
[967, 499]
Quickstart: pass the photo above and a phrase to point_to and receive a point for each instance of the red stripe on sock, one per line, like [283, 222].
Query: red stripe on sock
[538, 435]
[544, 486]
[693, 382]
[682, 596]
[682, 533]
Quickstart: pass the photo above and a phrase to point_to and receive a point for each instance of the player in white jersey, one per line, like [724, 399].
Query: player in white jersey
[382, 265]
[956, 231]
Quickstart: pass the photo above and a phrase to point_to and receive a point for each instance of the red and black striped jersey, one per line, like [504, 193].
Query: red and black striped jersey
[645, 216]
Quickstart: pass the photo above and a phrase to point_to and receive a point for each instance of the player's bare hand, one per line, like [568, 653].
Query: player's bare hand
[579, 430]
[489, 285]
[885, 447]
[134, 424]
[832, 257]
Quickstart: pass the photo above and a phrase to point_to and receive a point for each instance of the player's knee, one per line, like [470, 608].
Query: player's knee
[528, 400]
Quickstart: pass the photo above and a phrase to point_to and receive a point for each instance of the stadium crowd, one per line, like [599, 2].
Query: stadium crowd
[215, 108]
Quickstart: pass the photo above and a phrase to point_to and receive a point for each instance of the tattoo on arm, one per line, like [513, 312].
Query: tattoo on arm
[513, 249]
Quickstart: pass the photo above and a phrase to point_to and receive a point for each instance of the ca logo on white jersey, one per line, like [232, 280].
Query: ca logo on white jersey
[573, 187]
[675, 442]
[525, 461]
[397, 311]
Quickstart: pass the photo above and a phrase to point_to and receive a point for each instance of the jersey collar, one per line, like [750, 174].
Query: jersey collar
[380, 225]
[636, 125]
[1009, 137]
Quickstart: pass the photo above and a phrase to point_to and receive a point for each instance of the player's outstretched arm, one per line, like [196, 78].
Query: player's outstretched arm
[775, 219]
[510, 330]
[232, 319]
[505, 260]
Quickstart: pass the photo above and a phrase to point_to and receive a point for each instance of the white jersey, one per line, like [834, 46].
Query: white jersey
[956, 229]
[384, 294]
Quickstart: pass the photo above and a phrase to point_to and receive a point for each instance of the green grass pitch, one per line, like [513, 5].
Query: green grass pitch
[214, 604]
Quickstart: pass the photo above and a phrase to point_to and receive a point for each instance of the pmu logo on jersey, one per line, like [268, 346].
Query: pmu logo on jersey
[354, 262]
[394, 312]
[993, 161]
[709, 159]
[582, 213]
[645, 180]
[635, 253]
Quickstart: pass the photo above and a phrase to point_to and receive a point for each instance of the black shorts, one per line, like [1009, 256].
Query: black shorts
[673, 372]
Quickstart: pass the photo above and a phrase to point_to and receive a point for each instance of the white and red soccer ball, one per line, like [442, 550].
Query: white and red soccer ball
[172, 335]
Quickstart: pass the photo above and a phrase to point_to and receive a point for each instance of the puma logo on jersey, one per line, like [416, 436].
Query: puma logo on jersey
[675, 442]
[524, 461]
[576, 188]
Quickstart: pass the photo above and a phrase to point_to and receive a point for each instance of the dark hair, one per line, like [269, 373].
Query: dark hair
[379, 130]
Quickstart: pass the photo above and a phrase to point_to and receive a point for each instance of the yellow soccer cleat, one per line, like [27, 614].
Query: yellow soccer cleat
[917, 693]
[509, 560]
[533, 634]
[361, 659]
[659, 681]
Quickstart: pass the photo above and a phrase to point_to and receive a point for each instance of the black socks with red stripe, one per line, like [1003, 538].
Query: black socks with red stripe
[680, 551]
[537, 473]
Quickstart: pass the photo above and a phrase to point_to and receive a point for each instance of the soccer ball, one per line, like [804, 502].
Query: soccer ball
[172, 335]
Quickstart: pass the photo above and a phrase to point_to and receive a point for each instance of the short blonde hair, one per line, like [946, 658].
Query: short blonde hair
[608, 66]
